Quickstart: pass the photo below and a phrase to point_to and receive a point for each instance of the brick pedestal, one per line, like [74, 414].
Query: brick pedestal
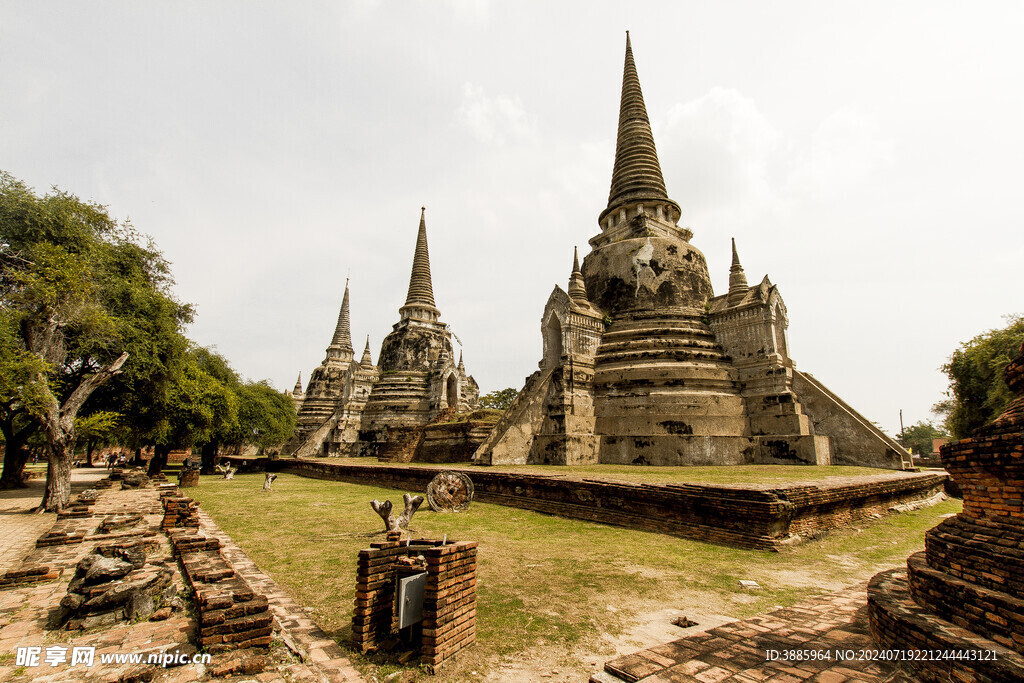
[449, 607]
[965, 592]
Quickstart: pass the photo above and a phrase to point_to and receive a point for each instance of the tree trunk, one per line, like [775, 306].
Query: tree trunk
[59, 427]
[208, 456]
[15, 454]
[89, 448]
[58, 478]
[15, 457]
[159, 460]
[399, 522]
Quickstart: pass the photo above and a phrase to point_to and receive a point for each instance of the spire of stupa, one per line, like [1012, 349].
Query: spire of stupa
[577, 288]
[636, 177]
[341, 343]
[367, 360]
[737, 279]
[462, 367]
[419, 303]
[298, 385]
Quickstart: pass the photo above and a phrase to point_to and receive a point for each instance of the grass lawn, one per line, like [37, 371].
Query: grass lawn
[734, 474]
[553, 594]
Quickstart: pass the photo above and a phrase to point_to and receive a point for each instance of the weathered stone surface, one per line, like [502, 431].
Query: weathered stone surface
[644, 365]
[351, 407]
[102, 569]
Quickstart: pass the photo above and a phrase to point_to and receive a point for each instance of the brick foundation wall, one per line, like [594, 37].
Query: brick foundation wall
[966, 588]
[761, 518]
[990, 472]
[980, 551]
[231, 615]
[989, 613]
[449, 606]
[179, 512]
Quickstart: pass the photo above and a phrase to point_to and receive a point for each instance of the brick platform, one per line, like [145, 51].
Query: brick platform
[834, 623]
[768, 517]
[25, 608]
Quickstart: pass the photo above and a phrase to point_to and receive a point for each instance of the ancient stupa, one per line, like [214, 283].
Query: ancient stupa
[330, 412]
[644, 364]
[419, 374]
[350, 406]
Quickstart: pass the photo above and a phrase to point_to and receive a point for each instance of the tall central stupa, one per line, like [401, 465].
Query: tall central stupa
[643, 363]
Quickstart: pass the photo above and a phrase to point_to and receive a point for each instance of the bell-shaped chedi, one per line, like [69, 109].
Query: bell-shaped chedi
[327, 423]
[419, 375]
[964, 595]
[643, 364]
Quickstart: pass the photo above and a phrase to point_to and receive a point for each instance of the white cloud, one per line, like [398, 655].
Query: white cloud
[494, 120]
[748, 167]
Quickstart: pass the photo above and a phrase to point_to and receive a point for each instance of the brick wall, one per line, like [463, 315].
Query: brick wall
[965, 591]
[449, 607]
[231, 615]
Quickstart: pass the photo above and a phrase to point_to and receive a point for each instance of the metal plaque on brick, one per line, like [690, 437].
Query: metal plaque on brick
[410, 599]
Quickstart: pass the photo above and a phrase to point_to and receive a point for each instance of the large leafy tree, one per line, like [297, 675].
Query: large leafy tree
[83, 299]
[96, 429]
[977, 392]
[266, 417]
[197, 409]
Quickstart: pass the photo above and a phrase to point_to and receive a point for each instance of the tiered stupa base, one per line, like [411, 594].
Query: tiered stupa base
[961, 601]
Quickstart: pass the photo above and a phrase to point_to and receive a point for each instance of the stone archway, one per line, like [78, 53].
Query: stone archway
[552, 341]
[452, 391]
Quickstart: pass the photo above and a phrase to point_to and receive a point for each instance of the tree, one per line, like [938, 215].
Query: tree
[499, 400]
[19, 398]
[77, 291]
[918, 437]
[977, 392]
[266, 417]
[198, 409]
[97, 428]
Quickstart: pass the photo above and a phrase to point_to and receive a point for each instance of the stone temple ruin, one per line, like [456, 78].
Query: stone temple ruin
[350, 408]
[644, 364]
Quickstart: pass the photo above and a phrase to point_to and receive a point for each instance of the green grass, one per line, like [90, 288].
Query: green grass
[738, 474]
[546, 585]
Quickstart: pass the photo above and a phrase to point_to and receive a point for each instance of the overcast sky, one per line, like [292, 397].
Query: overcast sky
[867, 156]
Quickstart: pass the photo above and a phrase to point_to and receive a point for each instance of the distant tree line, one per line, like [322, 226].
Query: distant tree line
[93, 351]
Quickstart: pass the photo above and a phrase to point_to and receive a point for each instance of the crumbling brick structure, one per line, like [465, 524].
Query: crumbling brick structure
[965, 592]
[449, 605]
[232, 615]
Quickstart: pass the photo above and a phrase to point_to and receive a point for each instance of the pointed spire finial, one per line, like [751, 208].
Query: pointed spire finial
[421, 289]
[462, 367]
[737, 279]
[298, 384]
[636, 176]
[577, 288]
[342, 332]
[367, 360]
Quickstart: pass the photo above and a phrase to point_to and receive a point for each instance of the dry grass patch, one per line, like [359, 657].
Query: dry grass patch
[553, 593]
